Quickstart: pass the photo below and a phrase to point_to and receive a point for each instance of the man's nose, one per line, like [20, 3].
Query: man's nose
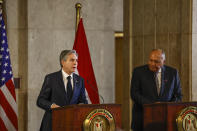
[75, 62]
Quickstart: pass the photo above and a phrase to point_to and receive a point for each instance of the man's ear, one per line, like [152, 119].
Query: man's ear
[62, 61]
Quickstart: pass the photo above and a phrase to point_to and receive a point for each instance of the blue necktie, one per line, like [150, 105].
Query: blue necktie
[69, 88]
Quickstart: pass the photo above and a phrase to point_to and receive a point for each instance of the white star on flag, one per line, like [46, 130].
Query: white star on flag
[6, 64]
[4, 72]
[3, 79]
[3, 41]
[6, 57]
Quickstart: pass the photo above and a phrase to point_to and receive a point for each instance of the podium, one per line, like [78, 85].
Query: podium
[71, 118]
[162, 116]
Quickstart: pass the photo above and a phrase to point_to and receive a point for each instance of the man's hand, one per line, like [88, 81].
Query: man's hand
[54, 106]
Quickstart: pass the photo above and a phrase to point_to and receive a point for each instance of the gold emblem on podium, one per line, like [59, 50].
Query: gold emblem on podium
[187, 119]
[99, 120]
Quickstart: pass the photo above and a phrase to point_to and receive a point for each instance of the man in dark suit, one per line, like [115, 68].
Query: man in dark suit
[152, 83]
[61, 88]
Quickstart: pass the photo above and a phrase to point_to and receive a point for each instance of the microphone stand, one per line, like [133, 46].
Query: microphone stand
[100, 96]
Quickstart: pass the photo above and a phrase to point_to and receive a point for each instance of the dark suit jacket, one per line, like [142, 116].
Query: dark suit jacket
[144, 91]
[53, 91]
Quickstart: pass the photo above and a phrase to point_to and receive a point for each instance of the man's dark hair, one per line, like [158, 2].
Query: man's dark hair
[65, 53]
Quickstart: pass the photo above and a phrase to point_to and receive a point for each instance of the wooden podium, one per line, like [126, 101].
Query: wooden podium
[71, 118]
[162, 116]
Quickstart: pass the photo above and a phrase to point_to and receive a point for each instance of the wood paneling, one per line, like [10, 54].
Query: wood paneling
[119, 70]
[166, 25]
[138, 22]
[149, 28]
[162, 23]
[152, 24]
[127, 66]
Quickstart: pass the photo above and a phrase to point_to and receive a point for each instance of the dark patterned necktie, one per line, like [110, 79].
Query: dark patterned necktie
[157, 83]
[69, 88]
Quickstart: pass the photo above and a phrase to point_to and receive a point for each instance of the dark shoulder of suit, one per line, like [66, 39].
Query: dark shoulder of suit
[141, 69]
[53, 75]
[170, 69]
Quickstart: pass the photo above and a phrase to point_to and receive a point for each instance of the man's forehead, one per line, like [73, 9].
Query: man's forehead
[156, 53]
[156, 56]
[72, 55]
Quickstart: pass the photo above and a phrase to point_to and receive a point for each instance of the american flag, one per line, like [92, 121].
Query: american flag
[8, 106]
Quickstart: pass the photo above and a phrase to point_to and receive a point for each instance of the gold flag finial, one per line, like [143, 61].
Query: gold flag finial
[1, 5]
[78, 14]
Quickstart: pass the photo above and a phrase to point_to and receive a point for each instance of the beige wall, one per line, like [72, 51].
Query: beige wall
[17, 33]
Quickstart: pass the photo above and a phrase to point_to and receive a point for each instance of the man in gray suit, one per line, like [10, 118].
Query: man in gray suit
[154, 82]
[61, 88]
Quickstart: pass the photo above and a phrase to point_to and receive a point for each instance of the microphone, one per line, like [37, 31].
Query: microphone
[100, 96]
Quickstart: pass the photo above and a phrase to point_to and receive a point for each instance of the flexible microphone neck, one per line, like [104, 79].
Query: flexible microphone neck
[100, 96]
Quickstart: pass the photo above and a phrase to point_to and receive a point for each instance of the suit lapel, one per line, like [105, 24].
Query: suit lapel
[151, 80]
[76, 86]
[154, 83]
[61, 85]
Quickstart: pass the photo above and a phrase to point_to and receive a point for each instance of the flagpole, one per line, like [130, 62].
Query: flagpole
[2, 8]
[1, 2]
[78, 14]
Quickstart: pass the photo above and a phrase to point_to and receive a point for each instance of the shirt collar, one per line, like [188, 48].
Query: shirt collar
[159, 70]
[65, 75]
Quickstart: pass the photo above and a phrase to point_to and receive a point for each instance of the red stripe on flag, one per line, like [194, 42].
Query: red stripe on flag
[10, 86]
[85, 68]
[2, 125]
[92, 92]
[8, 110]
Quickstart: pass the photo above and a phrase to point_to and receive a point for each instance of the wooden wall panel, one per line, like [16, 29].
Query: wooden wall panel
[149, 27]
[167, 25]
[186, 34]
[138, 41]
[119, 70]
[162, 22]
[138, 51]
[127, 66]
[174, 33]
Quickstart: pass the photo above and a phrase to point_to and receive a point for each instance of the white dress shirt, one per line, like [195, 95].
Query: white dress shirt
[65, 75]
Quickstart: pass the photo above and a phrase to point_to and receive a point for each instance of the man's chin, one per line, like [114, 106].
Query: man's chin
[153, 70]
[73, 71]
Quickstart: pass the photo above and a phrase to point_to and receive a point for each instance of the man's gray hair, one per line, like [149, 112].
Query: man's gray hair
[65, 53]
[162, 51]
